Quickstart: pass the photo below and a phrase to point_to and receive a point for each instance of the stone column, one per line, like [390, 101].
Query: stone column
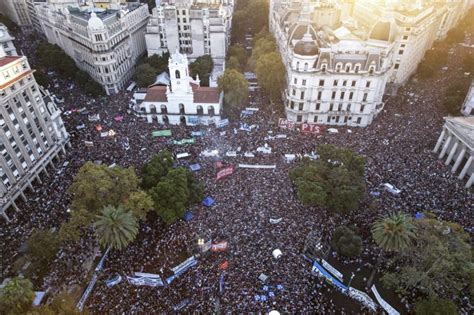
[440, 140]
[470, 181]
[466, 168]
[458, 160]
[445, 147]
[451, 153]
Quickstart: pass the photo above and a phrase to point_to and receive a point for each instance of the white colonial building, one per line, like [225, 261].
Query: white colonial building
[105, 43]
[456, 145]
[333, 76]
[195, 27]
[181, 100]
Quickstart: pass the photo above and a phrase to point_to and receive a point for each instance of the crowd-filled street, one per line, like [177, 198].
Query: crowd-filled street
[398, 148]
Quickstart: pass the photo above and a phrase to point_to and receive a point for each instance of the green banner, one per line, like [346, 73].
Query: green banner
[184, 141]
[161, 133]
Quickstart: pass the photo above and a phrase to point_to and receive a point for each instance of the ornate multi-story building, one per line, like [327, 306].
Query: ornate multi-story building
[195, 27]
[6, 41]
[333, 76]
[105, 43]
[32, 133]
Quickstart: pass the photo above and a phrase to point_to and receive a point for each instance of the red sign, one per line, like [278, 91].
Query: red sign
[219, 247]
[225, 172]
[311, 128]
[286, 124]
[224, 265]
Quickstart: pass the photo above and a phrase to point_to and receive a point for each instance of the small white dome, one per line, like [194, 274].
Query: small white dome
[277, 253]
[95, 23]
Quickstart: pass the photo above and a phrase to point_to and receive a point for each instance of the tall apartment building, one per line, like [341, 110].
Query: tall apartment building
[32, 133]
[333, 76]
[467, 108]
[105, 43]
[194, 27]
[17, 11]
[6, 41]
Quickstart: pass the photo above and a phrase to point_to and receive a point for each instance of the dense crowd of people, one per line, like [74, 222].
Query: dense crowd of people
[398, 147]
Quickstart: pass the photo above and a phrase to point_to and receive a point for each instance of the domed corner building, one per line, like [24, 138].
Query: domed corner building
[334, 76]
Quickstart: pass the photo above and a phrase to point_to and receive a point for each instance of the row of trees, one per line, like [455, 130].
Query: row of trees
[53, 57]
[250, 16]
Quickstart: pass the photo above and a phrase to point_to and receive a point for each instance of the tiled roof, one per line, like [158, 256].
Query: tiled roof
[8, 59]
[206, 94]
[156, 94]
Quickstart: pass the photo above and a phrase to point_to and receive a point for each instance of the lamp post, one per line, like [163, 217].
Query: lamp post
[350, 281]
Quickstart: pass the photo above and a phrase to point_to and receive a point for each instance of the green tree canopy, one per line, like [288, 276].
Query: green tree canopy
[62, 304]
[346, 242]
[233, 63]
[41, 78]
[159, 63]
[156, 169]
[238, 52]
[139, 203]
[439, 263]
[436, 306]
[16, 297]
[262, 48]
[236, 91]
[394, 233]
[202, 66]
[335, 180]
[174, 193]
[115, 227]
[454, 98]
[41, 248]
[271, 75]
[145, 75]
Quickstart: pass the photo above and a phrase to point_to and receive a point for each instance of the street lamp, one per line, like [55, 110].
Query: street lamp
[350, 280]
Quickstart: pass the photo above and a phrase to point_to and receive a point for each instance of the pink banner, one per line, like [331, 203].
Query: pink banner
[311, 128]
[286, 124]
[220, 247]
[225, 172]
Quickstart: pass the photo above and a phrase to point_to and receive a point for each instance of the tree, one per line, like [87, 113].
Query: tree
[271, 75]
[159, 63]
[454, 97]
[263, 47]
[393, 233]
[171, 195]
[17, 296]
[238, 52]
[41, 248]
[62, 304]
[439, 263]
[239, 25]
[93, 88]
[145, 75]
[202, 66]
[115, 227]
[156, 169]
[346, 242]
[41, 78]
[335, 180]
[468, 63]
[257, 15]
[233, 63]
[236, 91]
[435, 306]
[139, 203]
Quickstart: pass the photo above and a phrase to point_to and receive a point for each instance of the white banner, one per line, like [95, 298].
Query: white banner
[363, 298]
[184, 264]
[387, 307]
[257, 166]
[145, 281]
[332, 270]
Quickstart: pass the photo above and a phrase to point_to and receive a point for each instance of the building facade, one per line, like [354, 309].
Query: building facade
[6, 41]
[105, 43]
[333, 76]
[195, 27]
[32, 132]
[456, 145]
[467, 108]
[17, 11]
[182, 101]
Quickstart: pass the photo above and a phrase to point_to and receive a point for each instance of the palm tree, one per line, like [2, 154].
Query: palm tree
[115, 227]
[393, 233]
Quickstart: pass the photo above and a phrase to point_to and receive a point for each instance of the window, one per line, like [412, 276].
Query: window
[367, 84]
[200, 110]
[335, 83]
[397, 65]
[359, 120]
[297, 65]
[364, 99]
[321, 82]
[177, 74]
[306, 67]
[319, 95]
[295, 80]
[342, 95]
[371, 69]
[302, 95]
[348, 68]
[348, 108]
[304, 82]
[339, 107]
[164, 109]
[353, 83]
[300, 107]
[293, 92]
[362, 107]
[333, 96]
[400, 52]
[329, 119]
[324, 67]
[315, 119]
[299, 118]
[210, 111]
[331, 107]
[181, 109]
[405, 37]
[357, 68]
[318, 106]
[337, 119]
[344, 83]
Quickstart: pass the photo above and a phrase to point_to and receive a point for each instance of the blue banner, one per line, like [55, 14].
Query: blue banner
[317, 268]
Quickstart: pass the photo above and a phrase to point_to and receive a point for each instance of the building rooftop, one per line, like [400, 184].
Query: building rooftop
[463, 127]
[8, 59]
